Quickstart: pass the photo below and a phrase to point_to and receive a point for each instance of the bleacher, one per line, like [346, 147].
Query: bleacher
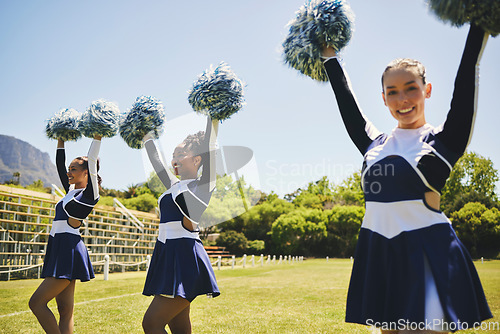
[127, 236]
[216, 251]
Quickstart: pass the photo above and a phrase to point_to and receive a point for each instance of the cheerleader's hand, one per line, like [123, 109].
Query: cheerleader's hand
[96, 137]
[147, 137]
[328, 52]
[60, 143]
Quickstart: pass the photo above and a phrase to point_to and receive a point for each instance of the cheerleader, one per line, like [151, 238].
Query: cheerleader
[410, 269]
[67, 258]
[180, 268]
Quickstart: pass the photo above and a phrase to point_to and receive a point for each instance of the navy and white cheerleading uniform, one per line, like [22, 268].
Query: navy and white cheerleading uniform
[66, 255]
[180, 265]
[409, 264]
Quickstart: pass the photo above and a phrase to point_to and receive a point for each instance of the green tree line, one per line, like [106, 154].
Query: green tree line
[323, 219]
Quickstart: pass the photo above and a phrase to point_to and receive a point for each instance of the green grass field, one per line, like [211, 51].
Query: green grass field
[306, 297]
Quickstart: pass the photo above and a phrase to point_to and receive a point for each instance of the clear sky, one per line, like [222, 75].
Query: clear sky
[65, 54]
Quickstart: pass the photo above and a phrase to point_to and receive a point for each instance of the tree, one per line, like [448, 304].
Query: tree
[16, 178]
[37, 186]
[256, 223]
[256, 246]
[343, 224]
[297, 231]
[317, 195]
[478, 228]
[229, 200]
[131, 191]
[349, 192]
[235, 242]
[144, 202]
[473, 178]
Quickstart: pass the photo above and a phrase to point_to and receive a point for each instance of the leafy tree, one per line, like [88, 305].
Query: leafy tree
[317, 195]
[131, 190]
[256, 246]
[472, 178]
[308, 200]
[478, 228]
[38, 185]
[229, 200]
[349, 192]
[107, 200]
[221, 210]
[256, 223]
[16, 178]
[112, 193]
[296, 231]
[235, 242]
[145, 202]
[343, 224]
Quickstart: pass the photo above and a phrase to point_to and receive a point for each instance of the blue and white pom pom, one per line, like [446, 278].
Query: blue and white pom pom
[483, 13]
[318, 23]
[147, 115]
[64, 125]
[217, 93]
[100, 119]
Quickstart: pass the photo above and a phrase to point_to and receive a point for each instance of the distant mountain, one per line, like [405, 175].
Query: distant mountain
[19, 156]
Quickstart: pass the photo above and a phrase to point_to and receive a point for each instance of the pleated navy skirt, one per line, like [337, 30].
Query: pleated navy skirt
[67, 257]
[388, 280]
[180, 267]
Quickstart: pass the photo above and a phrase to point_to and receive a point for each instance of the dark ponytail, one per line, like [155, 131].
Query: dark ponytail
[84, 162]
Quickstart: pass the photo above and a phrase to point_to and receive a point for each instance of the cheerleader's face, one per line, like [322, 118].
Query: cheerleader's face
[77, 175]
[185, 164]
[404, 94]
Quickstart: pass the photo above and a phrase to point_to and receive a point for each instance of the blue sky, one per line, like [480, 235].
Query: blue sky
[66, 54]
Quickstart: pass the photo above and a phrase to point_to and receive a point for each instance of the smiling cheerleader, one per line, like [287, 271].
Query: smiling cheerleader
[66, 258]
[410, 267]
[180, 268]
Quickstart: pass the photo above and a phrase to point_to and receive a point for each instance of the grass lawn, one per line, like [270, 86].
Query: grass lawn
[306, 297]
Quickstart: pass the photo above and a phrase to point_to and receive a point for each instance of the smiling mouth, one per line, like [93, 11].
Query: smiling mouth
[407, 110]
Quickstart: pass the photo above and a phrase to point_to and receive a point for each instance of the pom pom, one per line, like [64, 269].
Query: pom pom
[217, 93]
[318, 23]
[64, 125]
[101, 119]
[484, 13]
[146, 116]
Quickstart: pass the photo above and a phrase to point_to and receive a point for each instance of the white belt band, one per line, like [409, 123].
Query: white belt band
[391, 219]
[61, 226]
[175, 230]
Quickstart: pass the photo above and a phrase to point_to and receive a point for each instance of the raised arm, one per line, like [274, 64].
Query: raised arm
[61, 164]
[361, 130]
[457, 129]
[91, 192]
[166, 176]
[208, 176]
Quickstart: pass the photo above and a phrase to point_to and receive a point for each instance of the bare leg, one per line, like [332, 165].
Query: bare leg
[65, 305]
[161, 311]
[181, 324]
[47, 291]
